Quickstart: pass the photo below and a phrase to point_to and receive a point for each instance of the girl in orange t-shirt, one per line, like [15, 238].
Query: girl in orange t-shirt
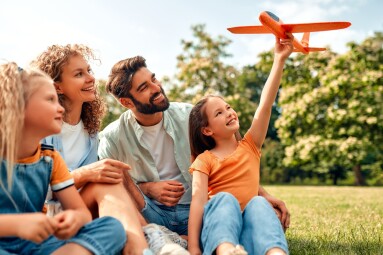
[226, 175]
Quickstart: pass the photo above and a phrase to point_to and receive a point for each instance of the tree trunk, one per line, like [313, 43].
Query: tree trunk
[359, 179]
[335, 179]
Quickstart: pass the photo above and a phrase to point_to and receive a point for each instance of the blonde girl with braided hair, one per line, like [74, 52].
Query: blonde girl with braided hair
[30, 111]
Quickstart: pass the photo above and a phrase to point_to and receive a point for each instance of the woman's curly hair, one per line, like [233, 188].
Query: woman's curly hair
[52, 61]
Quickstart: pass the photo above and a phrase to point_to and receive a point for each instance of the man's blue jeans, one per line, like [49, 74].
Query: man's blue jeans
[174, 218]
[257, 228]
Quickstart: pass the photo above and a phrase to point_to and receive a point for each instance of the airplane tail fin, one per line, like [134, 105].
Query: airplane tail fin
[305, 39]
[305, 43]
[310, 49]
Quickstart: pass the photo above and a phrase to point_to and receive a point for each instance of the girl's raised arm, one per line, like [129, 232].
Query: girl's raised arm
[258, 129]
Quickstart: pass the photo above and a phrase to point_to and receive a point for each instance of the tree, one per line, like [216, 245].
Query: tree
[253, 78]
[201, 71]
[113, 108]
[332, 118]
[201, 64]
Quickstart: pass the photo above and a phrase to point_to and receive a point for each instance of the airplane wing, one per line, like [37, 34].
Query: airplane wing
[314, 27]
[249, 30]
[292, 28]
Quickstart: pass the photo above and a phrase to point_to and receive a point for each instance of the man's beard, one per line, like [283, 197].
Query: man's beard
[151, 108]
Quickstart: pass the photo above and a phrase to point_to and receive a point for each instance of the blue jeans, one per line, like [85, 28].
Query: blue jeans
[257, 228]
[174, 218]
[102, 236]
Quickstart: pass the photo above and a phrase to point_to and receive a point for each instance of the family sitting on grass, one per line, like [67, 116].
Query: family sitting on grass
[132, 188]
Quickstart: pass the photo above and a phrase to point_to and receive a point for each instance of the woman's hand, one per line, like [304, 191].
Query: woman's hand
[103, 171]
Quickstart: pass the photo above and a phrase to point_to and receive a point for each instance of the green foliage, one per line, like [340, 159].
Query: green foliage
[272, 169]
[201, 71]
[332, 111]
[253, 78]
[113, 108]
[333, 220]
[200, 64]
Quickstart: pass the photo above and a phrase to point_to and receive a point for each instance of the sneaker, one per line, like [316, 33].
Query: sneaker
[174, 237]
[173, 249]
[237, 250]
[159, 243]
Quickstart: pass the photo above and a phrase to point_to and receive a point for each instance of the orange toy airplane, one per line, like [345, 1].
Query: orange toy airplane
[272, 24]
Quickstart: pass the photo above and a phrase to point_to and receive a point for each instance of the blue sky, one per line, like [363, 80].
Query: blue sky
[118, 29]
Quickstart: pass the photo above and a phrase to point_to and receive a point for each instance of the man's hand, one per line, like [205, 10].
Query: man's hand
[279, 207]
[281, 210]
[166, 192]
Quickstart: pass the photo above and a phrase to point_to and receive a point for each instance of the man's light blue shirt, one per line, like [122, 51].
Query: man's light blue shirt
[122, 140]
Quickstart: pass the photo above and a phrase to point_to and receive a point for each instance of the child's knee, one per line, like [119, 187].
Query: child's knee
[258, 203]
[222, 203]
[224, 197]
[261, 200]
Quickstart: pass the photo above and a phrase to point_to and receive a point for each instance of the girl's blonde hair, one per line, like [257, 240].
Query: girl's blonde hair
[52, 61]
[16, 87]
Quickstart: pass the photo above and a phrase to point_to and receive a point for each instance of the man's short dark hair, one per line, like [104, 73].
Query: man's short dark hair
[121, 75]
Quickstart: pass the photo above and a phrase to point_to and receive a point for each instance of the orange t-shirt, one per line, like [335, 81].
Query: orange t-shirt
[237, 174]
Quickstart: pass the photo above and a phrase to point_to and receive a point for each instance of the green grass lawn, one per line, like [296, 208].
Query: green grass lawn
[333, 220]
